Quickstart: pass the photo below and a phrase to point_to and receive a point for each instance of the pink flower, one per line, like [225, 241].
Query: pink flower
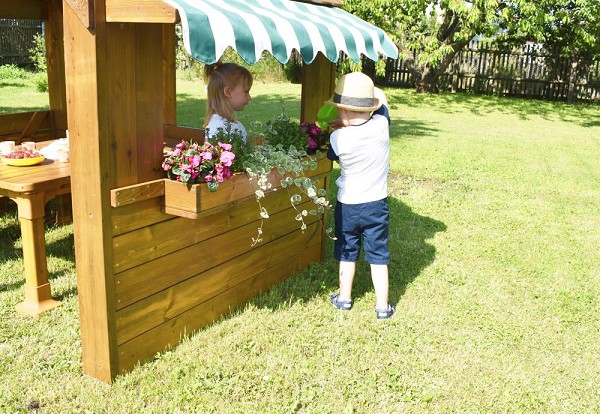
[226, 147]
[312, 143]
[192, 163]
[227, 158]
[195, 160]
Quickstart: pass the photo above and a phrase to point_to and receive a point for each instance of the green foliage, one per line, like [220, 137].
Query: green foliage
[38, 53]
[284, 132]
[293, 71]
[12, 72]
[571, 25]
[240, 146]
[437, 31]
[40, 80]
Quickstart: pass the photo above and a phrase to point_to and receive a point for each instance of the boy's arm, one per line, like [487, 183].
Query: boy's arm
[331, 147]
[331, 153]
[383, 111]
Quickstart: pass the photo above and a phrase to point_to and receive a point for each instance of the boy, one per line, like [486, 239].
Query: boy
[361, 145]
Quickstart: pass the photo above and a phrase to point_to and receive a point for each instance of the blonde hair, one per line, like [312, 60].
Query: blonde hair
[218, 76]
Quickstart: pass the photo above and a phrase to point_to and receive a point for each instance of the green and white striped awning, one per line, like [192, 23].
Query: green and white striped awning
[277, 26]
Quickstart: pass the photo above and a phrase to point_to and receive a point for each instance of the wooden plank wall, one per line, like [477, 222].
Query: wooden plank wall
[27, 126]
[173, 275]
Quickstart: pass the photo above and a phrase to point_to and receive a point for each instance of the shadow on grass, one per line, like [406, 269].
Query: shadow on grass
[16, 110]
[410, 253]
[14, 83]
[583, 114]
[402, 128]
[10, 234]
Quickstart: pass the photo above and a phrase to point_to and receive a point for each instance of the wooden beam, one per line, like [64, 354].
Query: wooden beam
[24, 9]
[318, 83]
[135, 11]
[55, 58]
[14, 124]
[84, 10]
[33, 125]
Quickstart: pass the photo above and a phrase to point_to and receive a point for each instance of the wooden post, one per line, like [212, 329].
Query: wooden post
[318, 83]
[90, 174]
[116, 111]
[56, 68]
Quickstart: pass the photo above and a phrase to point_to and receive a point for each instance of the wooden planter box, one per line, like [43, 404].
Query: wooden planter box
[191, 200]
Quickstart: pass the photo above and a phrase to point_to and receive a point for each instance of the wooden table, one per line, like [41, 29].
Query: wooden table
[31, 187]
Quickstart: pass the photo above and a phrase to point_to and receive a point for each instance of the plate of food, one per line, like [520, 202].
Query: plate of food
[22, 157]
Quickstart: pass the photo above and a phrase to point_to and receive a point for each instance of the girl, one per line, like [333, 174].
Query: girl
[228, 91]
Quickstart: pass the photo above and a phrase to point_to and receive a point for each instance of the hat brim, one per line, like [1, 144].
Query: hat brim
[356, 108]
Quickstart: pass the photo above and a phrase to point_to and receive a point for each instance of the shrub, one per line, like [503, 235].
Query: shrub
[285, 132]
[41, 82]
[11, 72]
[38, 54]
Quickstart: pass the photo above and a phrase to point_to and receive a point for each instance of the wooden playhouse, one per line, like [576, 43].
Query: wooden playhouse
[147, 274]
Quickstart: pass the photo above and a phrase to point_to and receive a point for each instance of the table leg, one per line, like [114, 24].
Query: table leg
[38, 297]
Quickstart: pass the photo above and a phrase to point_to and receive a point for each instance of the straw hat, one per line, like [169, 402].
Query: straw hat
[355, 92]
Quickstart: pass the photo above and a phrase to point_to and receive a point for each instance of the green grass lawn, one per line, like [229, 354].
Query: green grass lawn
[494, 235]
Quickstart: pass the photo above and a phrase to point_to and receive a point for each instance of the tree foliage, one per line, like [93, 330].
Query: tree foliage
[571, 25]
[439, 29]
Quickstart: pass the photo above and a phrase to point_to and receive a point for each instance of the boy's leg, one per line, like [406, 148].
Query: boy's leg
[379, 275]
[347, 270]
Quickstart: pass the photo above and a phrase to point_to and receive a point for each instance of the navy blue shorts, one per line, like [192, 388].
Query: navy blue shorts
[357, 223]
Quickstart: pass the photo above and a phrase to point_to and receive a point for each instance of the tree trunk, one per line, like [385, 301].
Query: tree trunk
[573, 75]
[428, 81]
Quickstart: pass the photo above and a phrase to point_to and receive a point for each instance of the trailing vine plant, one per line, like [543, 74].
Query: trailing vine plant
[291, 164]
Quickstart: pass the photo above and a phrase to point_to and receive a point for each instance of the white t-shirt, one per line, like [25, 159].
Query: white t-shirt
[364, 157]
[217, 121]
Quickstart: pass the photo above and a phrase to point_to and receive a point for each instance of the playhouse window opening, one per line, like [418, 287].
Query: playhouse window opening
[23, 66]
[276, 89]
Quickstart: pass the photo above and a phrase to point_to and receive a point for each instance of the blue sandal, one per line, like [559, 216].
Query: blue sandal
[386, 313]
[341, 304]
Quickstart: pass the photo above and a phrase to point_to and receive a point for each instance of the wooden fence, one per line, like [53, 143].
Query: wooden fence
[527, 71]
[16, 38]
